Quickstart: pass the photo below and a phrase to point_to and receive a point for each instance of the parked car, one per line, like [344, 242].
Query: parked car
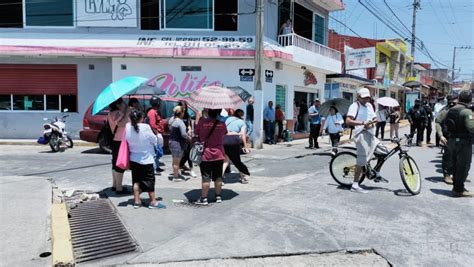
[94, 124]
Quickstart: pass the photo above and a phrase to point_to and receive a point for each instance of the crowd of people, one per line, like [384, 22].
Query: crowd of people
[224, 133]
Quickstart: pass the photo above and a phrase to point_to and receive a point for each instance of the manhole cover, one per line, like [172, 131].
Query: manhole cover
[97, 232]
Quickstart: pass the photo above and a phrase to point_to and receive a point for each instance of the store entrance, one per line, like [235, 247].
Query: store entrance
[302, 102]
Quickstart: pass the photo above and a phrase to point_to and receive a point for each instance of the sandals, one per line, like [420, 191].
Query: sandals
[244, 180]
[137, 205]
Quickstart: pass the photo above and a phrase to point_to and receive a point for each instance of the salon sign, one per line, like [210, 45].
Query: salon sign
[106, 13]
[181, 86]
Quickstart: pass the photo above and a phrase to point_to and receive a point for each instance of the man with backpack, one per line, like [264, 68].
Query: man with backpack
[418, 120]
[154, 119]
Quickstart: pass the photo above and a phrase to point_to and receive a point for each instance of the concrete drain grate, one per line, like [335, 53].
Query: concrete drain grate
[97, 232]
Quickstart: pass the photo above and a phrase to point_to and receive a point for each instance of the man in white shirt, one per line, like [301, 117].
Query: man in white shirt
[362, 116]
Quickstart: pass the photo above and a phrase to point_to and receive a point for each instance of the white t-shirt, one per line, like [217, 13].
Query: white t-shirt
[331, 122]
[365, 113]
[381, 115]
[142, 144]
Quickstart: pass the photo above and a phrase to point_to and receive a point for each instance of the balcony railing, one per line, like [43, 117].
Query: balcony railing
[301, 42]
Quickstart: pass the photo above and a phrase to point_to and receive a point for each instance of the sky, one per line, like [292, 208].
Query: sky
[440, 25]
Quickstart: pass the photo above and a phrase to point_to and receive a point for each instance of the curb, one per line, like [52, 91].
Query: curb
[62, 252]
[34, 143]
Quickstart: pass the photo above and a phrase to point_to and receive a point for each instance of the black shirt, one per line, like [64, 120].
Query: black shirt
[249, 113]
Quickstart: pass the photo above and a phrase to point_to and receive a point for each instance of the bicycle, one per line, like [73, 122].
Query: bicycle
[343, 165]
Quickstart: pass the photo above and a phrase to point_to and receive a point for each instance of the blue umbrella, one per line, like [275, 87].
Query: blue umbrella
[126, 86]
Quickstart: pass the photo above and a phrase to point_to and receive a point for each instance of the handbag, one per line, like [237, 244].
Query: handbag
[123, 158]
[195, 154]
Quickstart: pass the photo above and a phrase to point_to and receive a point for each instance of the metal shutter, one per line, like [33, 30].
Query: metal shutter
[38, 79]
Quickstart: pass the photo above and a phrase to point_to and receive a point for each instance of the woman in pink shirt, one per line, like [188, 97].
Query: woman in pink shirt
[211, 133]
[117, 118]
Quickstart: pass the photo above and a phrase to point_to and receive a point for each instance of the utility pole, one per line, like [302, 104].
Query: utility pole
[454, 59]
[258, 120]
[416, 5]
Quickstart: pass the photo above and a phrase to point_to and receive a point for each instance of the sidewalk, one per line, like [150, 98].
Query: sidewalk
[296, 148]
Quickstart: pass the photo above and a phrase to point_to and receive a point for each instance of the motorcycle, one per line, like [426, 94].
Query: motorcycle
[55, 133]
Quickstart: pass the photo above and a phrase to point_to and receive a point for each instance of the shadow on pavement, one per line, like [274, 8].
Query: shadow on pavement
[95, 150]
[443, 192]
[226, 194]
[232, 178]
[435, 179]
[436, 161]
[67, 169]
[402, 193]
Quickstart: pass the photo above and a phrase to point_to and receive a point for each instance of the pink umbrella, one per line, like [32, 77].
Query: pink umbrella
[215, 97]
[387, 102]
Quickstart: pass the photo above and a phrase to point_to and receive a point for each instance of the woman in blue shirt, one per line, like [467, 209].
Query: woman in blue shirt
[333, 124]
[236, 134]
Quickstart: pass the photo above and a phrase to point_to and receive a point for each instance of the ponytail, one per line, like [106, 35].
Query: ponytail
[136, 115]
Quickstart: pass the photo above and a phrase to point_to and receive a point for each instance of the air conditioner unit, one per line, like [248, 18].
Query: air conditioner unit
[278, 65]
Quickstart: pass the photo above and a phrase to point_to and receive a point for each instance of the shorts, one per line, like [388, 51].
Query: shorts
[365, 144]
[115, 150]
[211, 170]
[144, 175]
[176, 149]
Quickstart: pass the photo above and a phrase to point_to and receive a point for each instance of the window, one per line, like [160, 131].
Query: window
[150, 14]
[11, 14]
[193, 14]
[303, 21]
[51, 13]
[318, 29]
[28, 102]
[38, 102]
[5, 102]
[225, 17]
[280, 97]
[382, 93]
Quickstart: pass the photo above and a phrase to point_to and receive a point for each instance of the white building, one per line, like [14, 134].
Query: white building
[61, 53]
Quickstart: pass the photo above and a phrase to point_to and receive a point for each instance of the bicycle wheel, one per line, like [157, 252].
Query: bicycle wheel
[410, 174]
[342, 168]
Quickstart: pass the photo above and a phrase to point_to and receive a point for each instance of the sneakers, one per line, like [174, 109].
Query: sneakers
[137, 205]
[158, 205]
[380, 179]
[158, 169]
[202, 201]
[359, 190]
[465, 193]
[448, 179]
[193, 174]
[309, 147]
[218, 199]
[179, 178]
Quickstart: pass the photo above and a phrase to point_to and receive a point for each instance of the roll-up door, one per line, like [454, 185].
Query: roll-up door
[38, 79]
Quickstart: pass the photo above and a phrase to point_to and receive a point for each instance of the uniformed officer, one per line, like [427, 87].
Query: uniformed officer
[443, 134]
[460, 124]
[429, 120]
[417, 118]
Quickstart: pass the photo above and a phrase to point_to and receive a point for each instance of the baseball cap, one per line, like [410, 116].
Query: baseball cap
[363, 92]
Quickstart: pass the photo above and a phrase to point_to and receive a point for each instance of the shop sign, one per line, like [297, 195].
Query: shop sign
[269, 76]
[106, 13]
[175, 87]
[246, 75]
[225, 42]
[362, 58]
[309, 78]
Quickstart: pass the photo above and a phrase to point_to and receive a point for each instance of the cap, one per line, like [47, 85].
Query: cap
[363, 92]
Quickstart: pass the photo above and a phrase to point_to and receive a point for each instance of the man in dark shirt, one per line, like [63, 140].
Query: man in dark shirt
[418, 119]
[303, 117]
[429, 121]
[249, 117]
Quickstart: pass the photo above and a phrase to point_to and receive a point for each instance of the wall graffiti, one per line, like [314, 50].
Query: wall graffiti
[175, 87]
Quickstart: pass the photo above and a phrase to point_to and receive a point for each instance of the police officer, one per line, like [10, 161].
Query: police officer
[418, 119]
[443, 135]
[429, 121]
[460, 124]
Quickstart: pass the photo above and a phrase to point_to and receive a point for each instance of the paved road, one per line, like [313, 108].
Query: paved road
[290, 206]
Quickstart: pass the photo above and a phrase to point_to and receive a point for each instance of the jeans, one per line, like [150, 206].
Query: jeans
[419, 128]
[314, 134]
[249, 125]
[380, 126]
[269, 131]
[280, 129]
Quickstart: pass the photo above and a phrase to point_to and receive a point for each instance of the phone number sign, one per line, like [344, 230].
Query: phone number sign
[241, 42]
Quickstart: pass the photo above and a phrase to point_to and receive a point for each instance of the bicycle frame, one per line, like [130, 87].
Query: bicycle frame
[382, 159]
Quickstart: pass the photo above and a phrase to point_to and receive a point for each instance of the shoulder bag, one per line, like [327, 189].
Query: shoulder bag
[195, 154]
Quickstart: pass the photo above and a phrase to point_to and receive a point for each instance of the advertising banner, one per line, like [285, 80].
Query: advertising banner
[106, 13]
[362, 58]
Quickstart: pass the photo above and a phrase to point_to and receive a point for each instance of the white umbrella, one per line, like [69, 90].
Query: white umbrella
[388, 102]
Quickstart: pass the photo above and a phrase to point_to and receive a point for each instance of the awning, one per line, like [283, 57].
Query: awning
[349, 78]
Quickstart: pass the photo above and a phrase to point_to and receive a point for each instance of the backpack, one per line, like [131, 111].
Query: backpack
[393, 118]
[355, 118]
[108, 134]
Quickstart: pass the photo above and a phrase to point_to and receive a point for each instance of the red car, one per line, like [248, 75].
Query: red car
[93, 124]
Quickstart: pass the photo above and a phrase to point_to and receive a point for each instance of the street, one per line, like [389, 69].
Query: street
[291, 206]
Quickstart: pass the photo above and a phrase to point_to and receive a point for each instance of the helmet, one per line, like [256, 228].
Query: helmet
[155, 101]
